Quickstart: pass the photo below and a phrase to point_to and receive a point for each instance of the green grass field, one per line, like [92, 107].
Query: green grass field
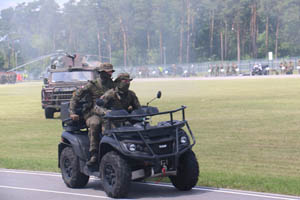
[247, 130]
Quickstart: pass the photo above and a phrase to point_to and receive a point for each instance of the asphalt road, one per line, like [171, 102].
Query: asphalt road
[25, 185]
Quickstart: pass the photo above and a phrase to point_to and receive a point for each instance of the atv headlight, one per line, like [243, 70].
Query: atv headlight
[183, 140]
[132, 147]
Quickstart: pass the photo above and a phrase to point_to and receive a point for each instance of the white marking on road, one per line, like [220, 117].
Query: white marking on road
[52, 191]
[30, 173]
[219, 190]
[36, 173]
[232, 192]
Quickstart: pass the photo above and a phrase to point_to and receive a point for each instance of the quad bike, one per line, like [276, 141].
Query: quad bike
[131, 151]
[260, 70]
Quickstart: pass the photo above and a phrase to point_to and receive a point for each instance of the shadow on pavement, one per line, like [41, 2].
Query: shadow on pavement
[150, 190]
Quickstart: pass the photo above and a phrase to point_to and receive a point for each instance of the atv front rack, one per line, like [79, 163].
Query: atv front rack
[143, 112]
[146, 129]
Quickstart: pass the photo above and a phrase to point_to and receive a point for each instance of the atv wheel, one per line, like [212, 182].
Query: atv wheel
[115, 175]
[187, 172]
[49, 113]
[70, 170]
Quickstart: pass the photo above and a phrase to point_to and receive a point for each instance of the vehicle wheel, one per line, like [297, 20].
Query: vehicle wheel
[187, 172]
[49, 113]
[70, 170]
[115, 175]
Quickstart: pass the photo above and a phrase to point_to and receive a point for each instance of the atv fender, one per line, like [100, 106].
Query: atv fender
[108, 144]
[79, 142]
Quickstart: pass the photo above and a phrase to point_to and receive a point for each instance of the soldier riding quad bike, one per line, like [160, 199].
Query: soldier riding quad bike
[132, 150]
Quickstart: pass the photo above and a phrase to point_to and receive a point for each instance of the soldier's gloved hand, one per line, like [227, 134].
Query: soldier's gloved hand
[74, 117]
[107, 111]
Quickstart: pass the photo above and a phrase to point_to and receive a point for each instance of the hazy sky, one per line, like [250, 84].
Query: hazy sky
[12, 3]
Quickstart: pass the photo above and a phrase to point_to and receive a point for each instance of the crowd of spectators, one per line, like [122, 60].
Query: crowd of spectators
[223, 69]
[215, 69]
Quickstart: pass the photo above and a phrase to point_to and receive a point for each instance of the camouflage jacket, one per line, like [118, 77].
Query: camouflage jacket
[113, 99]
[89, 94]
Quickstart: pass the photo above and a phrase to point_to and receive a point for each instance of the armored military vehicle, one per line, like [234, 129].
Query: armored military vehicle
[66, 74]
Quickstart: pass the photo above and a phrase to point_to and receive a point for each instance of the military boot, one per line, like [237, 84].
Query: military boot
[94, 158]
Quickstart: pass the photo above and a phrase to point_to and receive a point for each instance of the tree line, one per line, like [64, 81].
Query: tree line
[142, 32]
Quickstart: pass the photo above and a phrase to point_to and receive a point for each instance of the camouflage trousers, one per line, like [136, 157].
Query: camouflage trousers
[110, 125]
[94, 121]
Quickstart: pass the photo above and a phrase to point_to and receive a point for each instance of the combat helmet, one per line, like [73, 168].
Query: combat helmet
[105, 67]
[123, 76]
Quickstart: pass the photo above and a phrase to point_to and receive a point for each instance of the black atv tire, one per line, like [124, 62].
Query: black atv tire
[115, 175]
[49, 113]
[70, 169]
[187, 172]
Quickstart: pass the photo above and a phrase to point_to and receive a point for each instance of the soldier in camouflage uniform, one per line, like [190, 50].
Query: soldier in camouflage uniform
[120, 97]
[93, 118]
